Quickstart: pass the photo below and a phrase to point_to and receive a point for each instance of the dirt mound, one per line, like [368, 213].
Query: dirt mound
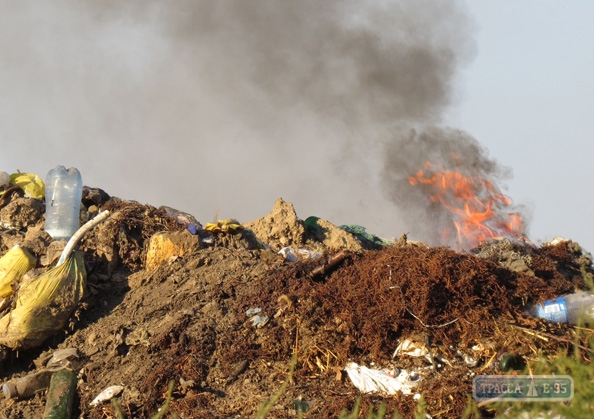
[282, 228]
[223, 317]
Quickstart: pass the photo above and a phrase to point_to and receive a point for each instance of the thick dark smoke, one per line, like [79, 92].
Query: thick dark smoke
[446, 149]
[202, 105]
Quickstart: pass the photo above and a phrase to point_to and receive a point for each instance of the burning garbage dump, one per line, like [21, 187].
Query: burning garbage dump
[479, 211]
[217, 312]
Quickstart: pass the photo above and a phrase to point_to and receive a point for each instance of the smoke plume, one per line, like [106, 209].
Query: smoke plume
[208, 105]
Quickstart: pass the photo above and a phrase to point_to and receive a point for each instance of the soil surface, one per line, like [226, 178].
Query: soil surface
[221, 313]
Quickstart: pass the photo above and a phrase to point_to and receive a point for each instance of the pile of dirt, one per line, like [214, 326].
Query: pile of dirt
[223, 313]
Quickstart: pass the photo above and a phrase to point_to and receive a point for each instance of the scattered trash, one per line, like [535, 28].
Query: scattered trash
[557, 240]
[107, 394]
[30, 183]
[252, 311]
[229, 225]
[63, 194]
[63, 358]
[411, 348]
[208, 240]
[469, 360]
[27, 386]
[185, 219]
[44, 305]
[325, 320]
[385, 381]
[257, 320]
[569, 309]
[13, 265]
[60, 395]
[293, 255]
[511, 362]
[369, 239]
[4, 179]
[331, 263]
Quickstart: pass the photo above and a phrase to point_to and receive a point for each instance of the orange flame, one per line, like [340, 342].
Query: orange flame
[479, 210]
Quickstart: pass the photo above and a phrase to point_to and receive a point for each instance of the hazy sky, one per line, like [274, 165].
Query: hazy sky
[208, 105]
[528, 97]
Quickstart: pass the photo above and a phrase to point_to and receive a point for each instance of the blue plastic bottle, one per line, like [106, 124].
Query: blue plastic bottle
[63, 194]
[569, 309]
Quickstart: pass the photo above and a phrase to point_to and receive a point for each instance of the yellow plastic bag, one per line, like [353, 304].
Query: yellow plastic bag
[13, 265]
[228, 225]
[30, 183]
[44, 305]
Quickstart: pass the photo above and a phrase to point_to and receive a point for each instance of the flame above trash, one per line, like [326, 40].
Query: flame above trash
[479, 210]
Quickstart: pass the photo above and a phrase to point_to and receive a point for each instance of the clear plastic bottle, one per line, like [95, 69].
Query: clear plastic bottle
[569, 309]
[63, 194]
[26, 386]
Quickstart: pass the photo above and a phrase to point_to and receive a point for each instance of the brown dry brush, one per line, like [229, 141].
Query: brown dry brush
[362, 309]
[122, 240]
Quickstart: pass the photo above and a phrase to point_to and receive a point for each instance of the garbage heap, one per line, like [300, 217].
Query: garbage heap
[220, 309]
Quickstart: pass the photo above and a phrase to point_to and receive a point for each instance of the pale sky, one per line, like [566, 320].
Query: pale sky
[528, 96]
[222, 105]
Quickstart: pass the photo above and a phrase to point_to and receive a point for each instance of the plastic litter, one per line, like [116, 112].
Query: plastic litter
[185, 219]
[27, 386]
[4, 179]
[411, 348]
[469, 360]
[229, 225]
[257, 319]
[13, 265]
[253, 311]
[292, 255]
[359, 232]
[63, 358]
[63, 195]
[44, 305]
[568, 309]
[30, 183]
[107, 394]
[384, 381]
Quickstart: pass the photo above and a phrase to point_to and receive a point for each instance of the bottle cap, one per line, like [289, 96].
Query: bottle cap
[9, 390]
